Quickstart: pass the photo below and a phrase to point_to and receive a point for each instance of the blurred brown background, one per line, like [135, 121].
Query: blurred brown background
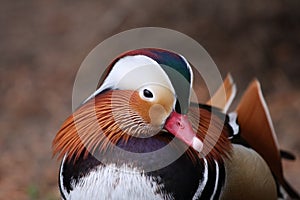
[42, 44]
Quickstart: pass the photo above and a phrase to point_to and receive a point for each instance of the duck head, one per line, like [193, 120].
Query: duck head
[160, 84]
[144, 92]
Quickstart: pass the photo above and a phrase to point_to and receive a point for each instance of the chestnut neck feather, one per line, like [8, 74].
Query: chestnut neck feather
[93, 126]
[103, 121]
[214, 133]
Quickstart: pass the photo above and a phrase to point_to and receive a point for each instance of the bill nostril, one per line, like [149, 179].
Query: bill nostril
[180, 125]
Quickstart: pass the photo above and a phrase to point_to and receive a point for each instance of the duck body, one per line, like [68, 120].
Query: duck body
[140, 136]
[117, 179]
[250, 177]
[89, 178]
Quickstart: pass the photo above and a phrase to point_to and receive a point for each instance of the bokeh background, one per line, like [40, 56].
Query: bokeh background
[42, 44]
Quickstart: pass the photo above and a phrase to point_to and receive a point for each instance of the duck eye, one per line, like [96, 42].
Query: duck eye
[147, 93]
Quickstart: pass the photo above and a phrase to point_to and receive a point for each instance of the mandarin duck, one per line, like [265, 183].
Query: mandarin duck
[141, 136]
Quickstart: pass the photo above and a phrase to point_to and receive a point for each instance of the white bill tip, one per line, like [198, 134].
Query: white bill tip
[197, 144]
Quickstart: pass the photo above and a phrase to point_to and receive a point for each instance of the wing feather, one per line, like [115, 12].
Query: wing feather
[257, 129]
[224, 95]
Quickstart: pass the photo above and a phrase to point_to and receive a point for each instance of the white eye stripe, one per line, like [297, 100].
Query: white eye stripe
[131, 72]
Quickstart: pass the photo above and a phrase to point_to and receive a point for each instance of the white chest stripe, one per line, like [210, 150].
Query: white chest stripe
[61, 176]
[202, 182]
[217, 180]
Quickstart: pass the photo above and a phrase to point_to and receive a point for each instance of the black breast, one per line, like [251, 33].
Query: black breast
[169, 165]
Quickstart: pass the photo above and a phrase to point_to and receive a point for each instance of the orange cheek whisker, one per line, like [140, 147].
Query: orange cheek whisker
[96, 125]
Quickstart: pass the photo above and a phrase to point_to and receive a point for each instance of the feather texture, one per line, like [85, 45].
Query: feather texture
[211, 130]
[99, 123]
[258, 131]
[107, 118]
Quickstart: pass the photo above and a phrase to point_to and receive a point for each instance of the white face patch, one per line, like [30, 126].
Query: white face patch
[133, 72]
